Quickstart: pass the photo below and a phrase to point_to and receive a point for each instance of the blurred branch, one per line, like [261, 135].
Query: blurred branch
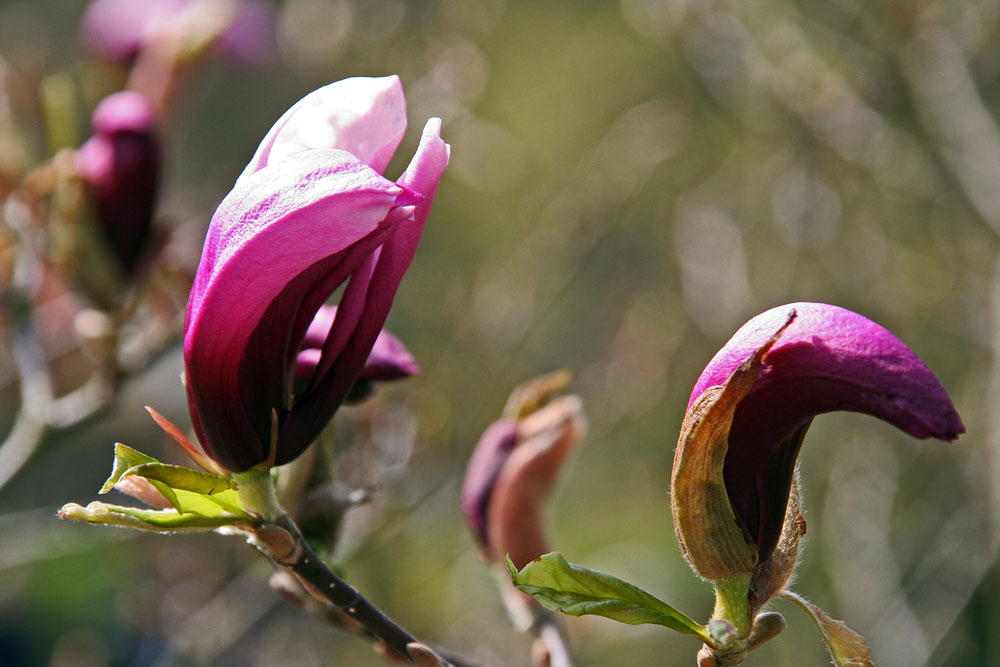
[280, 539]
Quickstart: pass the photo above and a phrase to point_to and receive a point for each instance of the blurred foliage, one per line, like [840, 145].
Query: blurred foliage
[630, 182]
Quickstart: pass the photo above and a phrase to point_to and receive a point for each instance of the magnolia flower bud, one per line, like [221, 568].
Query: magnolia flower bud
[511, 473]
[311, 212]
[748, 415]
[120, 165]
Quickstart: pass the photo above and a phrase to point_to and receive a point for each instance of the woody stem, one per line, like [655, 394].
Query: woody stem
[257, 495]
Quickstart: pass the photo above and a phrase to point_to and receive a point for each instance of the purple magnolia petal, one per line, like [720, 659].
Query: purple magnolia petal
[828, 359]
[363, 116]
[330, 385]
[120, 164]
[307, 215]
[487, 460]
[326, 211]
[388, 360]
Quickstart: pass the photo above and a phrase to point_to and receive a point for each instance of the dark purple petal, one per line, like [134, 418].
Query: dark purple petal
[828, 359]
[388, 360]
[487, 460]
[120, 164]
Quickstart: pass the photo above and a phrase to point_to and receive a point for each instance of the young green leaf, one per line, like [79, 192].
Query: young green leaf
[145, 519]
[181, 478]
[576, 591]
[197, 497]
[125, 458]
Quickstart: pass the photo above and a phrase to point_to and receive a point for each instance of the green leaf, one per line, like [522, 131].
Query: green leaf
[125, 458]
[576, 591]
[216, 504]
[145, 519]
[189, 491]
[181, 478]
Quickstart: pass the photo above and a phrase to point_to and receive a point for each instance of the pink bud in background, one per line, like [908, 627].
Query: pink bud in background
[118, 30]
[120, 165]
[512, 472]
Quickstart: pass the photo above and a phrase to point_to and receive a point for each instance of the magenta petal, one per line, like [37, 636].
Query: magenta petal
[487, 460]
[326, 212]
[393, 258]
[363, 116]
[828, 359]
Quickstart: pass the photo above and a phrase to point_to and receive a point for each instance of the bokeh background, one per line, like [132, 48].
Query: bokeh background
[630, 182]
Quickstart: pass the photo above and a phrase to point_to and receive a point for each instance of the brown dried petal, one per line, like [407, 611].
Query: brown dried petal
[847, 648]
[774, 574]
[712, 538]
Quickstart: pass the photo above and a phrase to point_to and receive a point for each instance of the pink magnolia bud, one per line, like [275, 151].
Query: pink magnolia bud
[118, 29]
[311, 212]
[512, 472]
[120, 165]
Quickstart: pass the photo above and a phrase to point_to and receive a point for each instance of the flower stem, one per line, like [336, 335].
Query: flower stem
[281, 541]
[732, 603]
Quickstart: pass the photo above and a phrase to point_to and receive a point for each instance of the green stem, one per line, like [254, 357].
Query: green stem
[732, 603]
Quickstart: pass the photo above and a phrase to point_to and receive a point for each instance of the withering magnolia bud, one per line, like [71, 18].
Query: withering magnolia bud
[511, 473]
[120, 165]
[734, 486]
[748, 415]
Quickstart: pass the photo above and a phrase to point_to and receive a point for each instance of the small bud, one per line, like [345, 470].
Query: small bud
[423, 656]
[766, 627]
[513, 469]
[120, 164]
[279, 542]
